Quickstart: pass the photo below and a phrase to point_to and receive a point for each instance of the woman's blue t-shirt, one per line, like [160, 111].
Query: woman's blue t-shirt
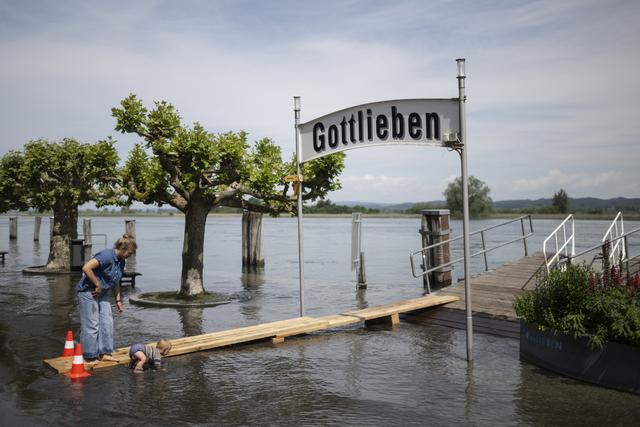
[108, 273]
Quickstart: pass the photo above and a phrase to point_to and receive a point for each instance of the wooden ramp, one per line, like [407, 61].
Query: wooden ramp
[492, 293]
[276, 331]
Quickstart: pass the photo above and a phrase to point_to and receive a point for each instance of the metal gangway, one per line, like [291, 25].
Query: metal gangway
[425, 252]
[559, 247]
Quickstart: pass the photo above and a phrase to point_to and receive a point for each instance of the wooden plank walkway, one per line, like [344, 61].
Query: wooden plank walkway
[492, 295]
[275, 331]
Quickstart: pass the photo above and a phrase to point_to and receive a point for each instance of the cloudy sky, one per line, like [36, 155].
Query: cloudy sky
[551, 85]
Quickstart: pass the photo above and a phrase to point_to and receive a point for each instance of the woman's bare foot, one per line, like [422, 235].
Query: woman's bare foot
[107, 358]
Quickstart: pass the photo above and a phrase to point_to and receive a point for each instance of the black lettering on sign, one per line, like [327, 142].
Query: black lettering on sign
[414, 127]
[397, 124]
[432, 125]
[365, 125]
[382, 125]
[318, 137]
[343, 130]
[352, 130]
[333, 136]
[369, 125]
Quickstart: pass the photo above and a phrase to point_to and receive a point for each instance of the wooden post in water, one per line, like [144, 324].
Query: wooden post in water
[362, 275]
[36, 228]
[434, 229]
[88, 239]
[13, 228]
[130, 229]
[252, 256]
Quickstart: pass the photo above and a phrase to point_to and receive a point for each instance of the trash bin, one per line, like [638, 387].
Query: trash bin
[77, 254]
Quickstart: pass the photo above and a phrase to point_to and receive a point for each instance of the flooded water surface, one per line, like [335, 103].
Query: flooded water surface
[415, 374]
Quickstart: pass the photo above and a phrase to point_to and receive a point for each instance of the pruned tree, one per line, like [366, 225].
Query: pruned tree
[59, 177]
[195, 171]
[12, 190]
[479, 201]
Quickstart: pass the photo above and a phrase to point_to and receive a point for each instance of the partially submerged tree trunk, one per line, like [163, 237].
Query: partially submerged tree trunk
[65, 228]
[193, 248]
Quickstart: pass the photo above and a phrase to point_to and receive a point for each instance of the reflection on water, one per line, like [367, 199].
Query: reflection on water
[415, 374]
[191, 320]
[361, 299]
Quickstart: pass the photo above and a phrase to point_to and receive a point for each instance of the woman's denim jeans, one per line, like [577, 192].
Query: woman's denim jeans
[96, 324]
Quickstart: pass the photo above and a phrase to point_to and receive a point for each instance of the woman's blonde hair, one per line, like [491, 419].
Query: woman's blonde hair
[126, 242]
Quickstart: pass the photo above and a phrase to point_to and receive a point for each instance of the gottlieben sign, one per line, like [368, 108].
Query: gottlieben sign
[432, 122]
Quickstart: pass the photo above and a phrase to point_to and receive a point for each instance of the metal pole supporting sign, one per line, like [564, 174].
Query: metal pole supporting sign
[296, 110]
[465, 207]
[438, 122]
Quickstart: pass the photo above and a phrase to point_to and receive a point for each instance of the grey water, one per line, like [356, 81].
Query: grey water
[416, 374]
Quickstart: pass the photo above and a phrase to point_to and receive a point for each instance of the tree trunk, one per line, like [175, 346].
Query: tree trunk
[65, 228]
[193, 248]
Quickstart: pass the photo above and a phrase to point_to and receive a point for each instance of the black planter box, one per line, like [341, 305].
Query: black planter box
[615, 365]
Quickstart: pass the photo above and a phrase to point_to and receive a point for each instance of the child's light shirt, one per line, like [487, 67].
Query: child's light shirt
[152, 353]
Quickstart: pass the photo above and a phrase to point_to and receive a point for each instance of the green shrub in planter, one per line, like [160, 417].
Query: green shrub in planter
[581, 303]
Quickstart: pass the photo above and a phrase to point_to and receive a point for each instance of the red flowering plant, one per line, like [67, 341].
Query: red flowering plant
[578, 301]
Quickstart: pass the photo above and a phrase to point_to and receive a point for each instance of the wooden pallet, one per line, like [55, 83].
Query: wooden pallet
[275, 331]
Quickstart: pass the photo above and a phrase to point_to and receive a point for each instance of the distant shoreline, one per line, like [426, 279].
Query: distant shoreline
[390, 215]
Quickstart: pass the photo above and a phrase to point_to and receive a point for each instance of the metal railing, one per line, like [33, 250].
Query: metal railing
[616, 229]
[622, 239]
[562, 248]
[425, 251]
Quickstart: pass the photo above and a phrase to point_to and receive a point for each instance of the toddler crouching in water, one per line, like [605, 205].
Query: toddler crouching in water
[144, 356]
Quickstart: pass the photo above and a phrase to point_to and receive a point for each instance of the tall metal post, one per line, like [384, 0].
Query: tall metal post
[465, 207]
[296, 110]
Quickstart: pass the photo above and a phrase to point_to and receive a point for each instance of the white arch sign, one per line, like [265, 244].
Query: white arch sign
[434, 122]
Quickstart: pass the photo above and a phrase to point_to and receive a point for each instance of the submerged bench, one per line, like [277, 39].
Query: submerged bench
[276, 332]
[130, 278]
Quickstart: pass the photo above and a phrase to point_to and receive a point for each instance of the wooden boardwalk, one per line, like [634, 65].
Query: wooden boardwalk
[492, 295]
[274, 331]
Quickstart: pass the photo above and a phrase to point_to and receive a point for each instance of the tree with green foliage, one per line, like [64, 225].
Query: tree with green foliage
[12, 190]
[196, 171]
[58, 177]
[479, 200]
[561, 201]
[417, 208]
[328, 207]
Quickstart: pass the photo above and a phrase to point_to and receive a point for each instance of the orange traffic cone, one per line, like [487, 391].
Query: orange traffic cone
[68, 345]
[77, 367]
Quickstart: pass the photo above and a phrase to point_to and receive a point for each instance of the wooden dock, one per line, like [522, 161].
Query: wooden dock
[492, 295]
[276, 332]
